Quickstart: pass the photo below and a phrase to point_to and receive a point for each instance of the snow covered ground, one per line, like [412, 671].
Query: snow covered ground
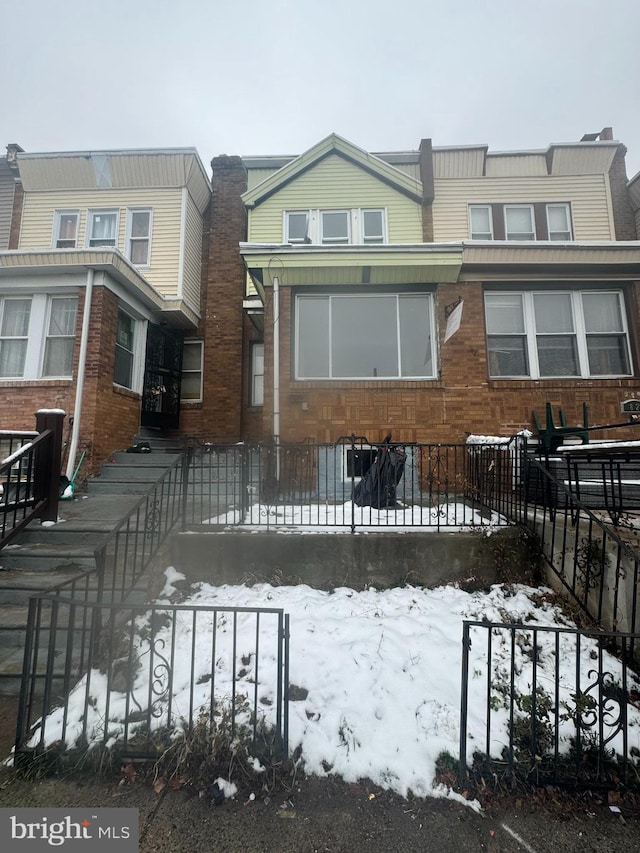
[377, 674]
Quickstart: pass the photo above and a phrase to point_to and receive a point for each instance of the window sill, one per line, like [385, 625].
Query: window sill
[26, 383]
[190, 404]
[569, 382]
[126, 392]
[381, 384]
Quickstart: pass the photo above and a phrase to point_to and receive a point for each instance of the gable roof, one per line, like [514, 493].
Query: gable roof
[334, 145]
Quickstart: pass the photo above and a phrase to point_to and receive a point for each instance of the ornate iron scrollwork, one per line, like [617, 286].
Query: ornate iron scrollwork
[606, 709]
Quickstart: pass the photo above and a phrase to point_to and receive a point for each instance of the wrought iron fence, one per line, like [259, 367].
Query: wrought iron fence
[314, 485]
[596, 561]
[131, 677]
[548, 706]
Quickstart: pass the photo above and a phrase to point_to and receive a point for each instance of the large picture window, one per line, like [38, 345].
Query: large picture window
[37, 336]
[542, 334]
[372, 336]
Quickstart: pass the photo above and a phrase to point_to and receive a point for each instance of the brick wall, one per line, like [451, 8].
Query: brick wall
[16, 216]
[623, 216]
[220, 417]
[463, 400]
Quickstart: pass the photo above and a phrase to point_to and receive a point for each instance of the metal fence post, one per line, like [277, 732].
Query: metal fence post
[47, 473]
[466, 645]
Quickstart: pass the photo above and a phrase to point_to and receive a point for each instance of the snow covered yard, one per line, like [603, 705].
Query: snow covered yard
[375, 675]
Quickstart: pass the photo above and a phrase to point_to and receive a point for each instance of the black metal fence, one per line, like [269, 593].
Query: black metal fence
[29, 474]
[313, 485]
[548, 706]
[130, 677]
[596, 561]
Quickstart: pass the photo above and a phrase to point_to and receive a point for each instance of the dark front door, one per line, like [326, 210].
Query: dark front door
[162, 371]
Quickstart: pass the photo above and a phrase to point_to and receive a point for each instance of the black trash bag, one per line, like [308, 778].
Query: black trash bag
[378, 486]
[139, 447]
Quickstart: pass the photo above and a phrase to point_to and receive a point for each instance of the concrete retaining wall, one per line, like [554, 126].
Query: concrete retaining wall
[328, 560]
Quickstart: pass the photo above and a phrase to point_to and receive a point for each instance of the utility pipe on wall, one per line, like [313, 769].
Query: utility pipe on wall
[82, 361]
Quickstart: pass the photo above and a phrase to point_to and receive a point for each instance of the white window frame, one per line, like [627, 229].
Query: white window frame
[400, 377]
[188, 342]
[485, 235]
[48, 336]
[91, 214]
[37, 334]
[138, 350]
[579, 332]
[336, 241]
[375, 240]
[297, 240]
[569, 232]
[131, 239]
[528, 207]
[56, 229]
[256, 399]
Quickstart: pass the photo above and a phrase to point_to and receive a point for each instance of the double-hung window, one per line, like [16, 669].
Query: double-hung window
[542, 334]
[125, 350]
[558, 222]
[191, 384]
[66, 229]
[480, 222]
[519, 222]
[102, 229]
[365, 336]
[257, 374]
[139, 237]
[37, 336]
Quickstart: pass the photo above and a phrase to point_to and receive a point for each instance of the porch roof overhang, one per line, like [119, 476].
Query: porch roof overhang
[24, 263]
[548, 260]
[416, 263]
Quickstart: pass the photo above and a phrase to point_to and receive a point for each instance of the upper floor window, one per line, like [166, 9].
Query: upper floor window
[66, 229]
[102, 228]
[540, 334]
[558, 222]
[480, 222]
[37, 336]
[191, 384]
[519, 222]
[139, 236]
[365, 336]
[336, 227]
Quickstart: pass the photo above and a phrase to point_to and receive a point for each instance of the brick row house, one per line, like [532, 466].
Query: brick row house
[429, 293]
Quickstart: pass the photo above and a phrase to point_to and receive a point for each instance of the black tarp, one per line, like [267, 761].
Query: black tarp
[377, 488]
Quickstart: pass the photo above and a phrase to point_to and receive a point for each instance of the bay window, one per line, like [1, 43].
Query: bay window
[547, 334]
[37, 336]
[365, 336]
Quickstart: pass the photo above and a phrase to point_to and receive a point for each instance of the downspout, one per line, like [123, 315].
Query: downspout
[276, 372]
[82, 361]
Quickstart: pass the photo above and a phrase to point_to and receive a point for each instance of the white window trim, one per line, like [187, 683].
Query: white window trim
[472, 207]
[360, 230]
[567, 208]
[579, 331]
[138, 351]
[528, 207]
[399, 377]
[56, 227]
[253, 374]
[37, 334]
[355, 226]
[199, 370]
[96, 211]
[336, 241]
[47, 336]
[130, 239]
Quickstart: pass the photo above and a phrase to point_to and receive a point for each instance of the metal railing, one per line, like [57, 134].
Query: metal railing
[596, 562]
[129, 677]
[313, 485]
[30, 474]
[548, 706]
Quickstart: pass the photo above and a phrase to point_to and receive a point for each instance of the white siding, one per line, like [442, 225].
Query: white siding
[192, 255]
[336, 183]
[587, 195]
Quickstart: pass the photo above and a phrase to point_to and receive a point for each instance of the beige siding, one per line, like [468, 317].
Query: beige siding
[336, 183]
[459, 162]
[582, 159]
[257, 176]
[39, 214]
[503, 166]
[587, 195]
[192, 254]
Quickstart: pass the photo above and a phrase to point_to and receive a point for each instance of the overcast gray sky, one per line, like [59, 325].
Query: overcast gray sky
[276, 76]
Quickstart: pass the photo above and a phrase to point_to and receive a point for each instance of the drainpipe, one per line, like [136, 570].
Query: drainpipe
[82, 361]
[276, 372]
